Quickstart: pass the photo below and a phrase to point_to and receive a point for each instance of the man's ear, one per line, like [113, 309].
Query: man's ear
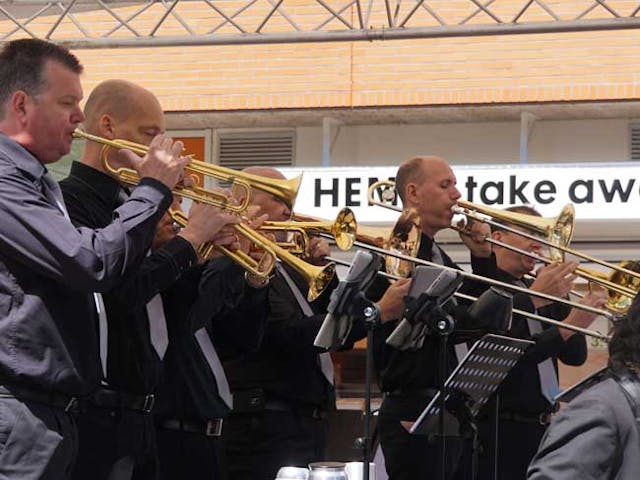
[19, 105]
[106, 127]
[411, 193]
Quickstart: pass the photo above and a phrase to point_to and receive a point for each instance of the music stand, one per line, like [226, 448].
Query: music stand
[469, 387]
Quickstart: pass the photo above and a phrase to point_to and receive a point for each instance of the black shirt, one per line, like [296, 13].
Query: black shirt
[520, 391]
[418, 369]
[133, 365]
[286, 366]
[215, 297]
[48, 269]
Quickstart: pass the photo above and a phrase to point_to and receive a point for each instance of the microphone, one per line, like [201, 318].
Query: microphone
[344, 303]
[431, 288]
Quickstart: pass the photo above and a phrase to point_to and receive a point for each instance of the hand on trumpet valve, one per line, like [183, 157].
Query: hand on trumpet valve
[474, 235]
[254, 220]
[554, 279]
[210, 224]
[582, 318]
[163, 161]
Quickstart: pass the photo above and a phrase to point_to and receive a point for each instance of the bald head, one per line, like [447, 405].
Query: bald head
[118, 109]
[119, 99]
[269, 204]
[416, 170]
[264, 172]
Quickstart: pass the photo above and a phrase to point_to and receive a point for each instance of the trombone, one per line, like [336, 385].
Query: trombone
[285, 190]
[621, 285]
[551, 321]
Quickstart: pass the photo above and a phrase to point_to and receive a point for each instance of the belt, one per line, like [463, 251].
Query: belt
[106, 398]
[299, 409]
[412, 392]
[68, 403]
[209, 428]
[543, 418]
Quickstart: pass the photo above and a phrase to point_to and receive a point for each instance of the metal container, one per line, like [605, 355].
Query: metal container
[292, 473]
[327, 471]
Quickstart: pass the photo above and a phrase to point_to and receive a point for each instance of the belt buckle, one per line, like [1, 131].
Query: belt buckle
[214, 427]
[149, 401]
[544, 418]
[72, 405]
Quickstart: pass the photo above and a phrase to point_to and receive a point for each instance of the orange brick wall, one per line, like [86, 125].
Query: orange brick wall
[464, 70]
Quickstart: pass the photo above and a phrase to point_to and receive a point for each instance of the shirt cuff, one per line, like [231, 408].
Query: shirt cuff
[181, 254]
[166, 197]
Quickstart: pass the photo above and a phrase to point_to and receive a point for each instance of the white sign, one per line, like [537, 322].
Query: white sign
[598, 191]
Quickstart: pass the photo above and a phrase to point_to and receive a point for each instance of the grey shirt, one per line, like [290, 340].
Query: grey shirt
[594, 437]
[49, 269]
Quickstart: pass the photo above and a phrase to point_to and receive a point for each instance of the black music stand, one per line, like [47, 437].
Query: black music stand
[469, 387]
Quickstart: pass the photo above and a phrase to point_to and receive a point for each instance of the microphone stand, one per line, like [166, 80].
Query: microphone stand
[365, 310]
[442, 324]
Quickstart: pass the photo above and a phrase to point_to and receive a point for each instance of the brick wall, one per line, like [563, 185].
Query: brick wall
[467, 70]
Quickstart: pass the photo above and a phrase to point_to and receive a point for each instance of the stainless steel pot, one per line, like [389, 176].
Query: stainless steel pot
[327, 471]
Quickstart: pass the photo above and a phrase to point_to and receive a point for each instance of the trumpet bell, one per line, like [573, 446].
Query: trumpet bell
[556, 230]
[623, 287]
[344, 229]
[405, 240]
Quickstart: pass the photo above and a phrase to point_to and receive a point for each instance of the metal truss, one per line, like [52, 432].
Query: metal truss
[116, 23]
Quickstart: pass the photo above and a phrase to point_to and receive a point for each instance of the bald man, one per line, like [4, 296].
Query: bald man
[283, 392]
[410, 378]
[116, 432]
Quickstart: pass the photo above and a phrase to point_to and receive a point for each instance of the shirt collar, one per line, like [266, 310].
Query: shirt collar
[22, 158]
[104, 185]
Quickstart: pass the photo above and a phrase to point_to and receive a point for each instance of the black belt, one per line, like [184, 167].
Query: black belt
[299, 409]
[106, 398]
[66, 402]
[543, 418]
[412, 392]
[209, 428]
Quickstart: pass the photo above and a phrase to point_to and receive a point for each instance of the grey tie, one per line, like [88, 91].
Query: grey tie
[546, 370]
[209, 352]
[324, 359]
[436, 255]
[157, 325]
[52, 192]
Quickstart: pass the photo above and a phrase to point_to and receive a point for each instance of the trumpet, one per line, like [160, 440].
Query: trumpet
[343, 230]
[285, 190]
[318, 277]
[621, 285]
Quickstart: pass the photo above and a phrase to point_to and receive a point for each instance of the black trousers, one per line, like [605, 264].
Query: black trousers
[258, 444]
[418, 457]
[116, 444]
[193, 456]
[517, 444]
[37, 442]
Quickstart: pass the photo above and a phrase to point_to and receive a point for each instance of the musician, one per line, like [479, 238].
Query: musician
[282, 393]
[48, 267]
[116, 431]
[410, 378]
[224, 316]
[525, 396]
[597, 435]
